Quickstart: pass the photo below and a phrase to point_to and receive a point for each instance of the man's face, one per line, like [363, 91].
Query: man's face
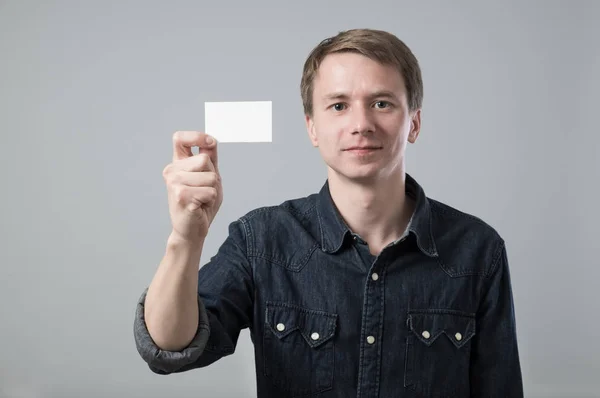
[360, 120]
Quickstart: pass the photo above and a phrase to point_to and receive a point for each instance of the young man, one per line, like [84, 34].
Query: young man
[366, 289]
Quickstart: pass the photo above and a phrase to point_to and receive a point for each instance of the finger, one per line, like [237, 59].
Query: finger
[195, 179]
[184, 141]
[200, 162]
[195, 196]
[211, 149]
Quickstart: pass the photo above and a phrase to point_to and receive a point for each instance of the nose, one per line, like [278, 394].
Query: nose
[361, 121]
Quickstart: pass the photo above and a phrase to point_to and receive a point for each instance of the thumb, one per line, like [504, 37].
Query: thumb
[210, 147]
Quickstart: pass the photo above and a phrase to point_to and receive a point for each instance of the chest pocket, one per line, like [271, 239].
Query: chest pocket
[438, 348]
[298, 348]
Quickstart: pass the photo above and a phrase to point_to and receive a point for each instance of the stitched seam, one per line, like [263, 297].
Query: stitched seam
[380, 334]
[363, 332]
[442, 311]
[248, 235]
[431, 239]
[294, 266]
[449, 210]
[459, 274]
[311, 311]
[321, 232]
[298, 212]
[496, 259]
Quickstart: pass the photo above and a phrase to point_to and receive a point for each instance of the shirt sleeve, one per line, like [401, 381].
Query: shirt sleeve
[495, 366]
[225, 302]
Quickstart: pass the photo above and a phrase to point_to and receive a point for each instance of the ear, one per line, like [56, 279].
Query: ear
[310, 128]
[415, 126]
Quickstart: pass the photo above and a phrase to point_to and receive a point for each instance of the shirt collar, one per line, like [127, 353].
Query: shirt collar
[333, 229]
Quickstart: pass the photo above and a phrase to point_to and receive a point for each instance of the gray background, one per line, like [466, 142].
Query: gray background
[91, 93]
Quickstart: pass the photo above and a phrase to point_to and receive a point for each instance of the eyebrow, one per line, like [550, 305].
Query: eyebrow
[378, 94]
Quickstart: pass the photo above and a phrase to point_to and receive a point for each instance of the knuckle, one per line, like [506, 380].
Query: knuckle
[167, 171]
[175, 178]
[180, 193]
[213, 178]
[204, 159]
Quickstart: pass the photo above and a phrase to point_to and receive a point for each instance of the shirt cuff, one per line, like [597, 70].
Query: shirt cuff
[165, 362]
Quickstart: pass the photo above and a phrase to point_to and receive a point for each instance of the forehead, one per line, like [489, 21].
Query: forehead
[355, 74]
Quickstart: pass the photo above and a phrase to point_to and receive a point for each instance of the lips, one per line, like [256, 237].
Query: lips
[362, 148]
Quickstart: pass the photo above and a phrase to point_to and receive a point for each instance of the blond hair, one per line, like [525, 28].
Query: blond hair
[377, 45]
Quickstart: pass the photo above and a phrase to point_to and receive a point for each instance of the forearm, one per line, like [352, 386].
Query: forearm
[496, 369]
[171, 306]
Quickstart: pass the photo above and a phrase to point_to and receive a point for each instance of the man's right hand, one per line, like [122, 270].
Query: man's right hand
[195, 192]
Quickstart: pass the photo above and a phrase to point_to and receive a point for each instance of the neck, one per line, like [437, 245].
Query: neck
[378, 211]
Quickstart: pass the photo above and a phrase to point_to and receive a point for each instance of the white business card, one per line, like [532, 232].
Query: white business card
[241, 121]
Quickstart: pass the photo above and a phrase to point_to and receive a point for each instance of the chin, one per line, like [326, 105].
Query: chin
[357, 174]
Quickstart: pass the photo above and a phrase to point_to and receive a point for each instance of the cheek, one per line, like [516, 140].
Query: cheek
[327, 139]
[399, 121]
[329, 133]
[400, 127]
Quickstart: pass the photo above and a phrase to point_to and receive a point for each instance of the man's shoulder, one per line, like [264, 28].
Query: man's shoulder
[448, 216]
[285, 234]
[299, 208]
[461, 236]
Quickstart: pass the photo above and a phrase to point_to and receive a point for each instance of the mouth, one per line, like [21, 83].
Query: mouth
[360, 150]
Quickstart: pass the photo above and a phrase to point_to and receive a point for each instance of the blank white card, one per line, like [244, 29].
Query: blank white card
[243, 121]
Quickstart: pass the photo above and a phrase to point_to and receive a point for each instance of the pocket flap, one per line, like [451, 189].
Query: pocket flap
[428, 325]
[315, 326]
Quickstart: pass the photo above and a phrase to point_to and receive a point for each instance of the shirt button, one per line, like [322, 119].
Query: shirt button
[458, 336]
[370, 339]
[280, 327]
[375, 276]
[426, 334]
[314, 336]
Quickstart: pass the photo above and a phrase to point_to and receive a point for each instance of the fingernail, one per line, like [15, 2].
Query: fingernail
[209, 140]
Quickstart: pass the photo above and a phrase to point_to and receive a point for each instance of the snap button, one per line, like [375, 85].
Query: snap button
[426, 334]
[370, 339]
[458, 336]
[375, 276]
[280, 327]
[314, 336]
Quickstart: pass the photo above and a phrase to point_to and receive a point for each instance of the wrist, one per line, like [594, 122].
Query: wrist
[178, 242]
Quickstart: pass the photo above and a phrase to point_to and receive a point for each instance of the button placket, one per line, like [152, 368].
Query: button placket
[368, 365]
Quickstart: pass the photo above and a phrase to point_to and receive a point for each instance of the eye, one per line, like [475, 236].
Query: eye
[338, 106]
[383, 104]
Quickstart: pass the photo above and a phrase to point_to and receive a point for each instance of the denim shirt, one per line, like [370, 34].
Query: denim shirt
[431, 316]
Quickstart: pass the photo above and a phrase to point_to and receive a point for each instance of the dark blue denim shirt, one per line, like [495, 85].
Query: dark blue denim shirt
[431, 316]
